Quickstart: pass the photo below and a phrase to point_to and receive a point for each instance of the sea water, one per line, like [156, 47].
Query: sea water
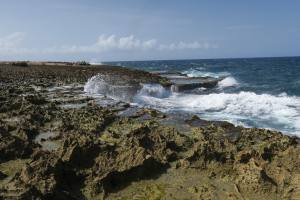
[254, 92]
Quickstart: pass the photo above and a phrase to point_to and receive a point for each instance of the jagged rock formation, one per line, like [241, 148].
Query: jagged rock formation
[98, 153]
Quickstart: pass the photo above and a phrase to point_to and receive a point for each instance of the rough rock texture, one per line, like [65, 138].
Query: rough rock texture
[117, 151]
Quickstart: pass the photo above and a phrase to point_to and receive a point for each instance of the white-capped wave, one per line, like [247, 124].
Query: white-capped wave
[154, 90]
[200, 73]
[227, 82]
[247, 108]
[281, 112]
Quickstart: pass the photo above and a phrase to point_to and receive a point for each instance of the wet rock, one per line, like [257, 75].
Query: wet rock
[184, 84]
[2, 175]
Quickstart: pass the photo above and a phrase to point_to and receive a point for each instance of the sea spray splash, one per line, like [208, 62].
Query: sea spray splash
[227, 82]
[154, 90]
[255, 77]
[194, 73]
[247, 108]
[97, 85]
[150, 93]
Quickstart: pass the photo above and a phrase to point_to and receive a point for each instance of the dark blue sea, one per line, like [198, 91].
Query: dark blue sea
[255, 92]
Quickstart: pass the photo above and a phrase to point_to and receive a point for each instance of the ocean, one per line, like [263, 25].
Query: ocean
[255, 92]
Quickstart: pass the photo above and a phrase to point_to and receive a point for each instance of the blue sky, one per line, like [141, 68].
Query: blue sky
[105, 30]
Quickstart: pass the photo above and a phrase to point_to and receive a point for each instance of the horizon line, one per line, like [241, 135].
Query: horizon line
[149, 60]
[218, 58]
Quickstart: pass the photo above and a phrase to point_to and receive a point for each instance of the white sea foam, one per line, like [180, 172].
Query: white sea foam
[280, 112]
[154, 90]
[247, 108]
[200, 73]
[228, 82]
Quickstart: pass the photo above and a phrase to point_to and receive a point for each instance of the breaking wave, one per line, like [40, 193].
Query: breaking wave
[245, 108]
[97, 85]
[154, 90]
[278, 112]
[227, 82]
[200, 73]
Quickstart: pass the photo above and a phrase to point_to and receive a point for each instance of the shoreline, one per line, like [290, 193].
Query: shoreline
[107, 149]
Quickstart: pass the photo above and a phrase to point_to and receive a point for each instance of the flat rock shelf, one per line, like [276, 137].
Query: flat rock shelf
[180, 82]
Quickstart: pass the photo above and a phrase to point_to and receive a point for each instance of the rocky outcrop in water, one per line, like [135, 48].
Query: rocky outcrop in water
[182, 83]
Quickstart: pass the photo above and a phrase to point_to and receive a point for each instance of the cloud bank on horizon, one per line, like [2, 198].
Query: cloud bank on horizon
[12, 45]
[112, 42]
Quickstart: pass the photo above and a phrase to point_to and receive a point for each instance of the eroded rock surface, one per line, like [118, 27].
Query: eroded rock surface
[116, 151]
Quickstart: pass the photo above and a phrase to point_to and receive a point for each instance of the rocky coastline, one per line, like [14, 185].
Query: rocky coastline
[58, 143]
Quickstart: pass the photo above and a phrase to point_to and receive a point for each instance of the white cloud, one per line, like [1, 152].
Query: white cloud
[11, 44]
[112, 42]
[124, 43]
[185, 45]
[107, 43]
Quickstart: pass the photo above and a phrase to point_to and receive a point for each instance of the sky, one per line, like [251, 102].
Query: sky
[114, 30]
